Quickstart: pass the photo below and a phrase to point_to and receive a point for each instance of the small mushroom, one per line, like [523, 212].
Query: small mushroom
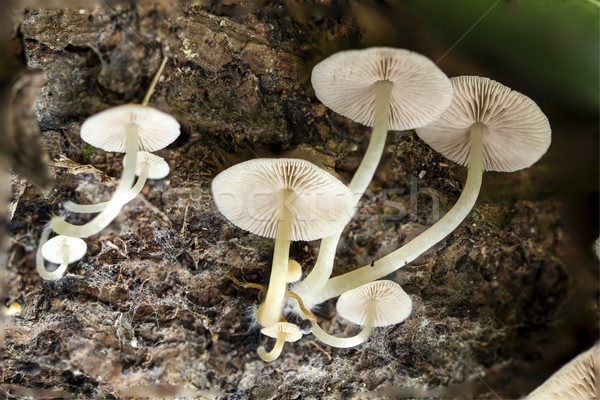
[578, 379]
[8, 310]
[126, 128]
[285, 199]
[61, 250]
[488, 126]
[375, 304]
[382, 87]
[294, 271]
[148, 166]
[283, 332]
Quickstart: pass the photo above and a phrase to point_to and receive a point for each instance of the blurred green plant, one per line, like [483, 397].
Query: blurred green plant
[88, 150]
[553, 45]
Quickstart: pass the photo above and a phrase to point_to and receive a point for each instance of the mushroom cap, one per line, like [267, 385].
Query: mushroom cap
[53, 249]
[106, 130]
[578, 379]
[292, 332]
[517, 132]
[157, 166]
[294, 271]
[344, 82]
[249, 194]
[392, 304]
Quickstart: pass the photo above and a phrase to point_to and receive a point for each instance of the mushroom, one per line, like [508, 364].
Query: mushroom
[375, 304]
[148, 166]
[382, 87]
[61, 250]
[11, 309]
[294, 271]
[578, 379]
[127, 128]
[286, 199]
[488, 127]
[283, 332]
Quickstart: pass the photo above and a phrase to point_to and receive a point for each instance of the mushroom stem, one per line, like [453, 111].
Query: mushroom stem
[60, 271]
[269, 312]
[154, 81]
[40, 263]
[115, 204]
[352, 341]
[399, 258]
[364, 174]
[98, 207]
[275, 351]
[359, 183]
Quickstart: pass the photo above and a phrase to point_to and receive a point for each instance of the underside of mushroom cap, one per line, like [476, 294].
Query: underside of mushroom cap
[250, 195]
[516, 134]
[106, 130]
[291, 331]
[578, 379]
[345, 82]
[392, 304]
[157, 166]
[53, 249]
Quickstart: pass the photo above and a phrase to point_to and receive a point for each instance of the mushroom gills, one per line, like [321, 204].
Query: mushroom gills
[61, 250]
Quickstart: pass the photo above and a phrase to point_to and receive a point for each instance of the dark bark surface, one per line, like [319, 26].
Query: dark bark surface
[151, 303]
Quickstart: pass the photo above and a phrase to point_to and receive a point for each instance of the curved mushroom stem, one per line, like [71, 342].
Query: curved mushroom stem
[399, 258]
[352, 341]
[40, 264]
[270, 311]
[359, 183]
[154, 81]
[98, 207]
[115, 204]
[275, 351]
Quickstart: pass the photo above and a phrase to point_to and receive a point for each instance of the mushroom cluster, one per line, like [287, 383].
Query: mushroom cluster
[133, 129]
[486, 127]
[473, 121]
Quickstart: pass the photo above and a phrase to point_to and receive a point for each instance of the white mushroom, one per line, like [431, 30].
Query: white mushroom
[61, 250]
[375, 304]
[285, 199]
[283, 332]
[380, 87]
[487, 127]
[294, 271]
[126, 128]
